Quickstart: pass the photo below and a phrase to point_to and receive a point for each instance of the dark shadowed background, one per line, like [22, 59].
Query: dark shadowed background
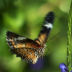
[26, 17]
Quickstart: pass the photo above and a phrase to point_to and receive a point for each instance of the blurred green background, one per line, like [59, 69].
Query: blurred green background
[26, 17]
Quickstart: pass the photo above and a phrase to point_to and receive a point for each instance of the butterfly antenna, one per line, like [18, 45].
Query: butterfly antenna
[54, 36]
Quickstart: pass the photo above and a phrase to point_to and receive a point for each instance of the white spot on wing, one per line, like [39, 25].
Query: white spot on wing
[21, 38]
[8, 39]
[48, 25]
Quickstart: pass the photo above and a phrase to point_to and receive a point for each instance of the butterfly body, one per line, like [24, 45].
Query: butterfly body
[27, 49]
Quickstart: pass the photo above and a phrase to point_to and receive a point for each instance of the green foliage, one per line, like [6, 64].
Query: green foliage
[25, 17]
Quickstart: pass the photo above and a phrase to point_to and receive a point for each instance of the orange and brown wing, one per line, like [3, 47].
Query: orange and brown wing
[17, 41]
[25, 48]
[27, 54]
[46, 28]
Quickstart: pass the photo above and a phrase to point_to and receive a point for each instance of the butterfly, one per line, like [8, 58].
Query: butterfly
[28, 49]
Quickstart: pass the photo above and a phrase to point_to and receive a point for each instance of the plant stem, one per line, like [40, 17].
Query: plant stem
[69, 39]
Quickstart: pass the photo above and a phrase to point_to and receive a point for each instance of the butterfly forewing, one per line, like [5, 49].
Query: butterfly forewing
[46, 28]
[17, 41]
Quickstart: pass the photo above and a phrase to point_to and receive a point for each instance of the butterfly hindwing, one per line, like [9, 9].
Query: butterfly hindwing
[46, 28]
[28, 54]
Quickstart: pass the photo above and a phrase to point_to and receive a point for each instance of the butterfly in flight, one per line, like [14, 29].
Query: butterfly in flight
[28, 49]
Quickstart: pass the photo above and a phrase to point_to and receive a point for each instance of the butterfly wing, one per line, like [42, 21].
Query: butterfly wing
[46, 28]
[27, 54]
[25, 48]
[17, 41]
